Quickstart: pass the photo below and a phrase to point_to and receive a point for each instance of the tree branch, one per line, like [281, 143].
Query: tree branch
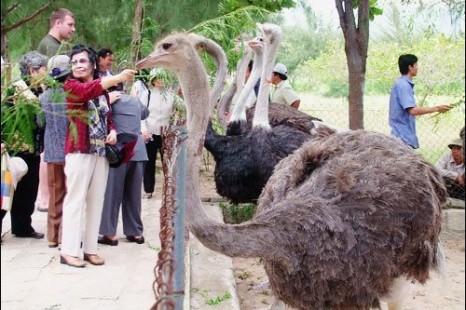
[363, 23]
[10, 8]
[5, 29]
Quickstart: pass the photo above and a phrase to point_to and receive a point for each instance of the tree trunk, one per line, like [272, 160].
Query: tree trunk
[134, 53]
[356, 44]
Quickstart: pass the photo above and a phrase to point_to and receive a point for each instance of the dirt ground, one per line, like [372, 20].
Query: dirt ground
[447, 292]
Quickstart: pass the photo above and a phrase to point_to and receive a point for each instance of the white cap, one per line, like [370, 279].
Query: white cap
[280, 68]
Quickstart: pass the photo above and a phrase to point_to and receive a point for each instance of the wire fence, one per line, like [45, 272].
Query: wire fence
[434, 131]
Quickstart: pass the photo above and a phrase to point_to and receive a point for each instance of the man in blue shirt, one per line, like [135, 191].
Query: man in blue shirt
[403, 109]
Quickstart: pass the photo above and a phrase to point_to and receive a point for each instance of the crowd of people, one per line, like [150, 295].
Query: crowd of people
[85, 109]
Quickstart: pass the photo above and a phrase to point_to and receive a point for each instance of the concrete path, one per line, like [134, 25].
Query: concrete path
[32, 277]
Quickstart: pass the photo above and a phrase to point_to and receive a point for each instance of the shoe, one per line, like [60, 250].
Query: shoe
[106, 240]
[138, 240]
[94, 259]
[148, 195]
[53, 244]
[72, 261]
[34, 234]
[42, 209]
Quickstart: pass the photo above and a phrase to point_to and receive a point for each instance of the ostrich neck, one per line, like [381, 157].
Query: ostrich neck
[261, 113]
[214, 235]
[239, 112]
[222, 70]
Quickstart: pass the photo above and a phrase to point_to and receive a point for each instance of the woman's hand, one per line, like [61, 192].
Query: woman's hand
[146, 136]
[111, 138]
[114, 96]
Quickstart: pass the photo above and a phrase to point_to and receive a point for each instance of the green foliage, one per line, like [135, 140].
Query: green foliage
[218, 299]
[18, 121]
[238, 213]
[272, 6]
[441, 68]
[214, 300]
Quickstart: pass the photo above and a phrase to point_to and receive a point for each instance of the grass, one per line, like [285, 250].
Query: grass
[434, 131]
[235, 214]
[214, 300]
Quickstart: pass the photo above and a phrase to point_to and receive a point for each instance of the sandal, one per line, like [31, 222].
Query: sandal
[94, 259]
[72, 261]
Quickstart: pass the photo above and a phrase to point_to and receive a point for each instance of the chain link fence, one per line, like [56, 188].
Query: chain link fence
[435, 131]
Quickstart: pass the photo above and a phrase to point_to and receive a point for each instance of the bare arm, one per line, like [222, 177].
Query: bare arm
[427, 110]
[123, 76]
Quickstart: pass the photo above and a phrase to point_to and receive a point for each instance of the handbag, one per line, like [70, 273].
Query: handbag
[122, 151]
[13, 169]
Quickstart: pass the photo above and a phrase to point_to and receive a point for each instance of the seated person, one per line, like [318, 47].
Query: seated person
[451, 167]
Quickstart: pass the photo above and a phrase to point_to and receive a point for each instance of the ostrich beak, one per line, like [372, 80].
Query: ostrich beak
[150, 61]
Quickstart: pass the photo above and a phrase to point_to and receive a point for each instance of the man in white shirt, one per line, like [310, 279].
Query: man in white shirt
[451, 167]
[283, 93]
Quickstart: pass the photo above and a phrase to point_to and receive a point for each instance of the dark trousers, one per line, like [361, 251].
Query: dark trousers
[25, 197]
[149, 168]
[454, 189]
[123, 189]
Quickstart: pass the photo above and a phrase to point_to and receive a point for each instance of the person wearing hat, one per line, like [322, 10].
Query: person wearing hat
[283, 93]
[451, 167]
[53, 103]
[160, 100]
[33, 66]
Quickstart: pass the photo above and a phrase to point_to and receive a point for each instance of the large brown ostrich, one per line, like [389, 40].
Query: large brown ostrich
[340, 222]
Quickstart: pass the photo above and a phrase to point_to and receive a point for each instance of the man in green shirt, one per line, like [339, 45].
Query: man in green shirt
[61, 29]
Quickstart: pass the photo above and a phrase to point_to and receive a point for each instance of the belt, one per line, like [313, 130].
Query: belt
[97, 142]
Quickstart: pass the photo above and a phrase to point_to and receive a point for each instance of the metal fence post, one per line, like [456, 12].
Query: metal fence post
[179, 222]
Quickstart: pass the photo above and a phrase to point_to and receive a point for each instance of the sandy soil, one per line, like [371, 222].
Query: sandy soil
[447, 292]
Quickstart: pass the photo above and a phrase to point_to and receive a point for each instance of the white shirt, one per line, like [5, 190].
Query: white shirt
[448, 168]
[160, 107]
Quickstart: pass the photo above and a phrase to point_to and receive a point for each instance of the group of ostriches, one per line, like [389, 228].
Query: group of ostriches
[343, 222]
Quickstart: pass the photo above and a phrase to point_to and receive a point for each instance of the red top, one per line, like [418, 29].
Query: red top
[79, 93]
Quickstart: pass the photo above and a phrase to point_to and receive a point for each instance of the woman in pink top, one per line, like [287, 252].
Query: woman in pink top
[86, 167]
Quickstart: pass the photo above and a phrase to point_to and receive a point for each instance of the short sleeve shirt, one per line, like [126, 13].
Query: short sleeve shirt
[403, 124]
[284, 94]
[50, 46]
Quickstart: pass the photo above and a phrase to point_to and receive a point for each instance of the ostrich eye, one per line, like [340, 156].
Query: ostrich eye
[260, 39]
[166, 46]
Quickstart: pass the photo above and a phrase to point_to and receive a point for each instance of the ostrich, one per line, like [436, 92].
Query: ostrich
[339, 224]
[237, 124]
[245, 162]
[236, 86]
[241, 120]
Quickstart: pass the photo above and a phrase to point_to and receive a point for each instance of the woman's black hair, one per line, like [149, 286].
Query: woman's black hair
[79, 48]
